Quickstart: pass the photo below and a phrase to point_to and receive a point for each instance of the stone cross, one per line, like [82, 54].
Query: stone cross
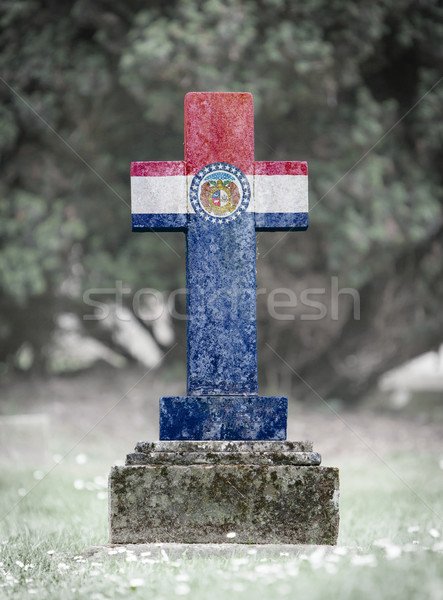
[223, 470]
[220, 196]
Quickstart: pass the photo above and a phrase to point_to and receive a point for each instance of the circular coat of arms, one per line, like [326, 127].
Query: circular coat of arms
[220, 192]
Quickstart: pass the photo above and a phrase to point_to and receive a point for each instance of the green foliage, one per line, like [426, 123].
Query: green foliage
[36, 236]
[96, 85]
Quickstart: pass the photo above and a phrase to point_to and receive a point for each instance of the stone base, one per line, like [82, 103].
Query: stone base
[199, 492]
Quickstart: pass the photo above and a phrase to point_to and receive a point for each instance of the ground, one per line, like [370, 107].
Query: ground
[53, 499]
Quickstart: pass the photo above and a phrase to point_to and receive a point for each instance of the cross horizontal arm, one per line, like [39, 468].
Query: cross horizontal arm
[159, 196]
[281, 195]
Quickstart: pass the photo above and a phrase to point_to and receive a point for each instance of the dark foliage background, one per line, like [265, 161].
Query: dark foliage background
[351, 87]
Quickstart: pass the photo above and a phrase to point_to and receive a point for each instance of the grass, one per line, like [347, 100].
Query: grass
[385, 547]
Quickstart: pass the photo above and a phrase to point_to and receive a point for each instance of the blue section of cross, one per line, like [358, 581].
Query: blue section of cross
[221, 307]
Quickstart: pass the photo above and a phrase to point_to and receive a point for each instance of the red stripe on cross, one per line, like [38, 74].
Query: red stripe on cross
[281, 168]
[157, 168]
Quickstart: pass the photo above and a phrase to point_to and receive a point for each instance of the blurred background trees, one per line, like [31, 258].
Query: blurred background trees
[86, 87]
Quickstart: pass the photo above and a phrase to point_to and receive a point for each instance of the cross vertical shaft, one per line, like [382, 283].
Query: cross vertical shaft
[221, 283]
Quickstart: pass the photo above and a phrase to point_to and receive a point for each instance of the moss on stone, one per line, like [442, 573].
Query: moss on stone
[197, 503]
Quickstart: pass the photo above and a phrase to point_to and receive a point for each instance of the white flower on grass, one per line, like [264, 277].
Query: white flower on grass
[62, 566]
[136, 582]
[165, 557]
[434, 533]
[100, 481]
[340, 550]
[182, 589]
[57, 458]
[366, 560]
[317, 558]
[238, 587]
[21, 492]
[292, 569]
[79, 484]
[131, 558]
[50, 552]
[102, 495]
[149, 561]
[438, 547]
[81, 459]
[121, 550]
[409, 548]
[241, 560]
[331, 569]
[19, 564]
[231, 535]
[112, 551]
[31, 591]
[252, 551]
[332, 558]
[263, 569]
[392, 552]
[413, 528]
[145, 554]
[38, 475]
[382, 543]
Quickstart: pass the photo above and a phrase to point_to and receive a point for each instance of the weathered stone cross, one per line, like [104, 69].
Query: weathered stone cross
[219, 196]
[223, 469]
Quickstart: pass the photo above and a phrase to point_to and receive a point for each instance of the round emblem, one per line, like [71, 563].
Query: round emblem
[220, 192]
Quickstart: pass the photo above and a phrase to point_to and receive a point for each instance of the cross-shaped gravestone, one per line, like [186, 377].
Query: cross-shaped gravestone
[208, 479]
[219, 196]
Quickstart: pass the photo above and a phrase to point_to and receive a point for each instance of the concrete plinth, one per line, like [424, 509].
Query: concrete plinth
[198, 492]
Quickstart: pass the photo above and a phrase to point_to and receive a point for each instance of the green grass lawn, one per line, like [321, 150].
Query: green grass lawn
[389, 543]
